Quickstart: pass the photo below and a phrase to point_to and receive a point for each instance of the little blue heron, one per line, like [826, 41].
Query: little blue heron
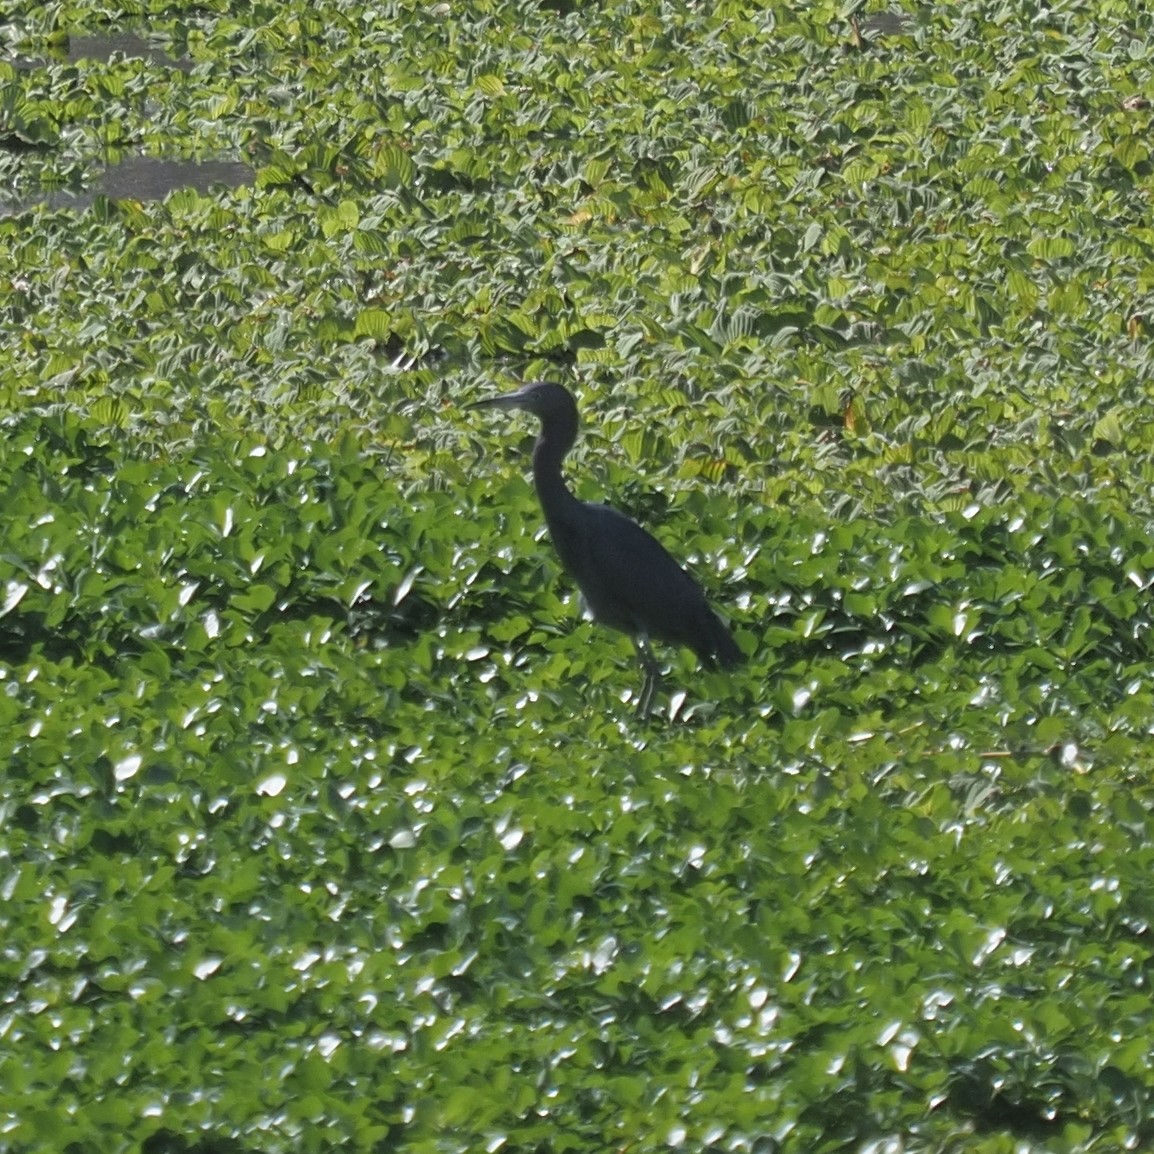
[626, 577]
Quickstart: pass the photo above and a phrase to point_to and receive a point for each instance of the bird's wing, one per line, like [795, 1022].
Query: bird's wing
[629, 579]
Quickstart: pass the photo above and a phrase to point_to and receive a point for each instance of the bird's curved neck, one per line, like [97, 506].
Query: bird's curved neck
[548, 453]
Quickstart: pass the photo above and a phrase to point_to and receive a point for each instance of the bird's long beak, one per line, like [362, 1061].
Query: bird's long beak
[505, 401]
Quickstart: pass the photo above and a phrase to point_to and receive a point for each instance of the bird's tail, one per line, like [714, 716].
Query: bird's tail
[721, 647]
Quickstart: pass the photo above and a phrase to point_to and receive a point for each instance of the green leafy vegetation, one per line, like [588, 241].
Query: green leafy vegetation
[326, 822]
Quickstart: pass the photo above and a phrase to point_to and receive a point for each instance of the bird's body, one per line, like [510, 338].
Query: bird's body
[631, 583]
[627, 578]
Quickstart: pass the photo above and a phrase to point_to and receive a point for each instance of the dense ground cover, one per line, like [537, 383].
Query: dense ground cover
[325, 817]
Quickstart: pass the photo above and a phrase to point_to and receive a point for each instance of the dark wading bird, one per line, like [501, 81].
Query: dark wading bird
[626, 577]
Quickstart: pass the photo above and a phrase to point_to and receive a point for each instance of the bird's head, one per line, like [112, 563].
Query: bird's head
[542, 398]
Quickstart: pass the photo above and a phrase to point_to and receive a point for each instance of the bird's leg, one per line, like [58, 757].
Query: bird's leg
[652, 675]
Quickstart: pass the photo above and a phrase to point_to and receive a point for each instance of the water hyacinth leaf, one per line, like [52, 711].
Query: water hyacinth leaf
[395, 167]
[374, 323]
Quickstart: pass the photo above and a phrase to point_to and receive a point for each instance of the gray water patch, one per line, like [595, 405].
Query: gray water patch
[102, 48]
[146, 178]
[141, 178]
[887, 23]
